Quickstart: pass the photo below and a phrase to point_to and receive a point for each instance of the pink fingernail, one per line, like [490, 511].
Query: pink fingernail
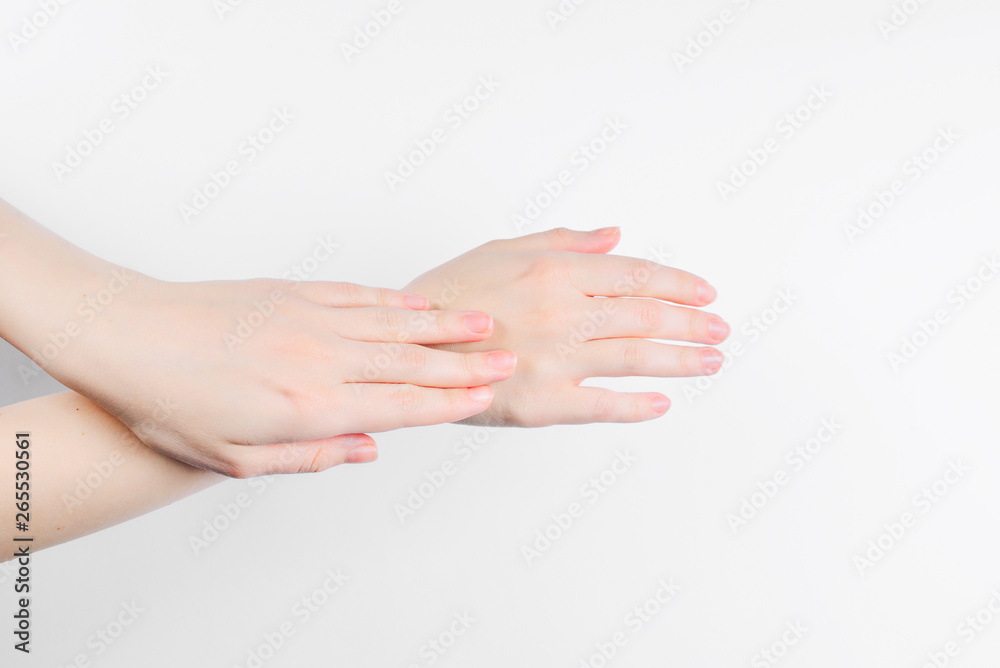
[711, 360]
[661, 404]
[481, 394]
[478, 323]
[706, 293]
[718, 329]
[501, 360]
[362, 454]
[608, 231]
[417, 302]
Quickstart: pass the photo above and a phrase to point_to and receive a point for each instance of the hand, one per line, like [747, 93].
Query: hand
[571, 312]
[256, 377]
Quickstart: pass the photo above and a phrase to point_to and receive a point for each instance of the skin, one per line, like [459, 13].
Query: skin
[542, 290]
[243, 378]
[573, 312]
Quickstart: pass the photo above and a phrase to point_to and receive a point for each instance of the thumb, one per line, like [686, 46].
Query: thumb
[308, 456]
[562, 239]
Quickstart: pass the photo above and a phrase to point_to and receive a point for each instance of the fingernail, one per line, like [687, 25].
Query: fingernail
[482, 393]
[608, 231]
[362, 454]
[711, 360]
[478, 323]
[718, 329]
[417, 302]
[501, 360]
[706, 293]
[661, 404]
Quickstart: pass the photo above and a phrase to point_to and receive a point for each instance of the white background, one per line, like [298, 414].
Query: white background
[664, 518]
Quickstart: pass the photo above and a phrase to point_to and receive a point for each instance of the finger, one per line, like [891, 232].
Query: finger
[653, 319]
[351, 295]
[617, 276]
[585, 405]
[561, 239]
[378, 407]
[425, 327]
[429, 367]
[249, 461]
[616, 358]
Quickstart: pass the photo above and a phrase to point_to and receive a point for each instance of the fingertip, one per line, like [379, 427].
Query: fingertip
[605, 239]
[503, 361]
[660, 404]
[718, 329]
[482, 394]
[416, 302]
[362, 454]
[711, 361]
[478, 323]
[706, 293]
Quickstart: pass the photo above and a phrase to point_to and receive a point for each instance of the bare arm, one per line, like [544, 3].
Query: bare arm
[87, 471]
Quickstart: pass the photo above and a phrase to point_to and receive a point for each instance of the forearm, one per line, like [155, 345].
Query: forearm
[87, 471]
[50, 291]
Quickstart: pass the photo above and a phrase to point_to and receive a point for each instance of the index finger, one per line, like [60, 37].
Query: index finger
[617, 276]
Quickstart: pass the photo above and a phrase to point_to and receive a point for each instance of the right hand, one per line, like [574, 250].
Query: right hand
[313, 366]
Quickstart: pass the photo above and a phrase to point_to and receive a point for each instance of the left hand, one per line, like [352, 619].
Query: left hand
[572, 312]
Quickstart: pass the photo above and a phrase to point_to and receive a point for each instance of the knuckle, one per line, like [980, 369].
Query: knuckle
[471, 364]
[414, 358]
[690, 360]
[689, 287]
[316, 460]
[384, 298]
[232, 467]
[406, 399]
[388, 322]
[633, 356]
[558, 235]
[351, 293]
[604, 407]
[697, 326]
[549, 269]
[637, 409]
[647, 315]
